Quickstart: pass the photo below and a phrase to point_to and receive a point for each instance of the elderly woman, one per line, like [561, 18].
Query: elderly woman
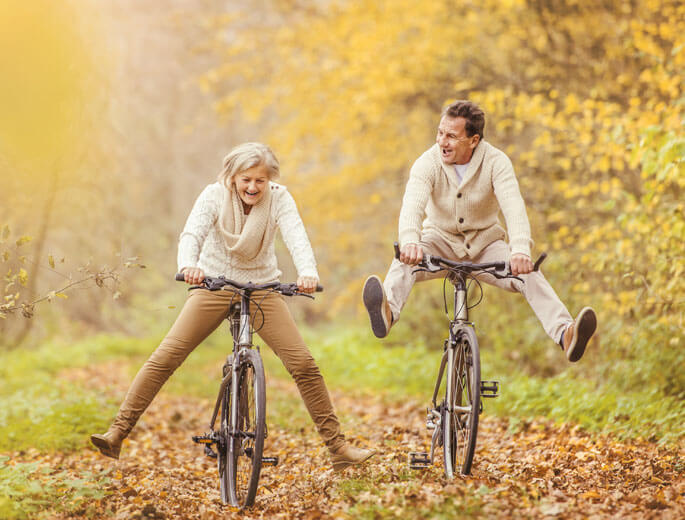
[230, 232]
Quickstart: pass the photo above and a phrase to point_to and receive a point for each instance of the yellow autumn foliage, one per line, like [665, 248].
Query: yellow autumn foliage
[586, 98]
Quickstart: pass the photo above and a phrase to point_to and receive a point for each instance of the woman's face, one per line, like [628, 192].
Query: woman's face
[251, 184]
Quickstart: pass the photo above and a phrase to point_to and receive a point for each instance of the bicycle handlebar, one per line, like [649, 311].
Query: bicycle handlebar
[434, 260]
[215, 284]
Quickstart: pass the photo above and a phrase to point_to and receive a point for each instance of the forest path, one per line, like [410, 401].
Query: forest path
[542, 470]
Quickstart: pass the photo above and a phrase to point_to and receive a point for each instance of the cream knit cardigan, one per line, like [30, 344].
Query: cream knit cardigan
[202, 244]
[465, 214]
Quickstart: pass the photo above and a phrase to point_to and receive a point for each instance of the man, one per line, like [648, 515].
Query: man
[460, 184]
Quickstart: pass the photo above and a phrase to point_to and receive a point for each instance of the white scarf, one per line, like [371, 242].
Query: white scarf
[246, 236]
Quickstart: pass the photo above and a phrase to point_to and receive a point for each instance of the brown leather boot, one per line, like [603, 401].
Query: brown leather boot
[108, 443]
[579, 333]
[377, 306]
[348, 455]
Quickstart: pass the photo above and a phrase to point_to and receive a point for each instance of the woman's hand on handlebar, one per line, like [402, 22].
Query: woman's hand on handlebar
[193, 275]
[520, 264]
[411, 254]
[307, 284]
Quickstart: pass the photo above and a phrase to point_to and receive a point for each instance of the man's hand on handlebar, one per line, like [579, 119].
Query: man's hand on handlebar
[307, 284]
[193, 275]
[411, 254]
[520, 264]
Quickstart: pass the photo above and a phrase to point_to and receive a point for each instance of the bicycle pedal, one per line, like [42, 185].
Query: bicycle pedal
[419, 460]
[489, 389]
[210, 452]
[202, 439]
[269, 461]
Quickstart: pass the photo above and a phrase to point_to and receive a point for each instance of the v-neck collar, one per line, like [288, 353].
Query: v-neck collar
[474, 164]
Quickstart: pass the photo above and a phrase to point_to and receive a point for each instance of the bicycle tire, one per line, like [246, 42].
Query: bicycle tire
[222, 446]
[245, 447]
[460, 429]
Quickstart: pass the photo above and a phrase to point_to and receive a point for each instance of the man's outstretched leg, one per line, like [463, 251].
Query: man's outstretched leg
[377, 306]
[571, 335]
[384, 301]
[576, 336]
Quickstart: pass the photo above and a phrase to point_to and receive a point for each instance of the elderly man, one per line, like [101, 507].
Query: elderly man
[460, 184]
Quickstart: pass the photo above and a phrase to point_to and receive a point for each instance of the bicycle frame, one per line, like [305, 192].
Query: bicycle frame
[242, 339]
[448, 358]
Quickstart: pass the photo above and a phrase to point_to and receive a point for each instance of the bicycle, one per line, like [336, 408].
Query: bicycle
[454, 420]
[241, 401]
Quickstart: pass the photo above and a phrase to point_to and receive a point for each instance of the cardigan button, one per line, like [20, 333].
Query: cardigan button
[461, 219]
[458, 195]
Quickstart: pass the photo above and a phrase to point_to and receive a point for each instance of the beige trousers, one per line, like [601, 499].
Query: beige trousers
[202, 313]
[545, 303]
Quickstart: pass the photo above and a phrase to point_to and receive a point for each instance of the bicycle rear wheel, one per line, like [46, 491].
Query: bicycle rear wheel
[460, 416]
[246, 441]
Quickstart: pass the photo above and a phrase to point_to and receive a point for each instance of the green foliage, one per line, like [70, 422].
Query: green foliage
[39, 409]
[626, 398]
[27, 488]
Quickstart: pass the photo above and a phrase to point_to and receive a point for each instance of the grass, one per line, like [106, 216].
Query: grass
[40, 410]
[354, 361]
[27, 488]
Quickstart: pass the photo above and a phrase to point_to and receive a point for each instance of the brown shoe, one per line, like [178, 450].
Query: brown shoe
[579, 333]
[108, 443]
[348, 455]
[377, 306]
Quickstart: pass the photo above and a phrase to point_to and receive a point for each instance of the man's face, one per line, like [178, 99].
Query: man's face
[455, 146]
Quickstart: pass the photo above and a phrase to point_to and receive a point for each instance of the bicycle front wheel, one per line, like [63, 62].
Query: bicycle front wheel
[460, 414]
[222, 445]
[246, 438]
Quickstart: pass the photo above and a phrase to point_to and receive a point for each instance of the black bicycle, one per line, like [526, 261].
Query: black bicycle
[454, 420]
[241, 401]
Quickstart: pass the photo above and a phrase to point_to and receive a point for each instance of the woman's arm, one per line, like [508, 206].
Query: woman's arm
[202, 217]
[296, 239]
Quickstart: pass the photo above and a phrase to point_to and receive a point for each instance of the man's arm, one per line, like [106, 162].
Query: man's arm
[513, 208]
[416, 195]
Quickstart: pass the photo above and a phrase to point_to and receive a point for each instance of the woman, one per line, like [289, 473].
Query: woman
[230, 232]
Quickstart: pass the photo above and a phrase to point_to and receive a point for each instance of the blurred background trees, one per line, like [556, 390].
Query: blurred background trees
[135, 104]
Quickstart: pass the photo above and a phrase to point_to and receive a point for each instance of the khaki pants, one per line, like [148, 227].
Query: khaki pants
[545, 303]
[202, 313]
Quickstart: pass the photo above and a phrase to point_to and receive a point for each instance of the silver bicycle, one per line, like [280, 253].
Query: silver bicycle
[454, 419]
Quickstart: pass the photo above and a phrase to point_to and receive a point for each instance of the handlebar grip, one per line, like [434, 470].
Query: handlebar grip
[397, 250]
[319, 288]
[180, 277]
[539, 261]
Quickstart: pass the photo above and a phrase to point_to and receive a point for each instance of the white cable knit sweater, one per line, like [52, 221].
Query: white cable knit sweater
[465, 214]
[201, 243]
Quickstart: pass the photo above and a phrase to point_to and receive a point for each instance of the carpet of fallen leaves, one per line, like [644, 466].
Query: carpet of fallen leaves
[541, 470]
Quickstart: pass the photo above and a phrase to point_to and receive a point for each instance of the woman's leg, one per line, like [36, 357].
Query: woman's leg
[202, 313]
[280, 333]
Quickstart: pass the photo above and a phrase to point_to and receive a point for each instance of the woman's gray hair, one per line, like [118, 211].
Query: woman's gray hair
[246, 156]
